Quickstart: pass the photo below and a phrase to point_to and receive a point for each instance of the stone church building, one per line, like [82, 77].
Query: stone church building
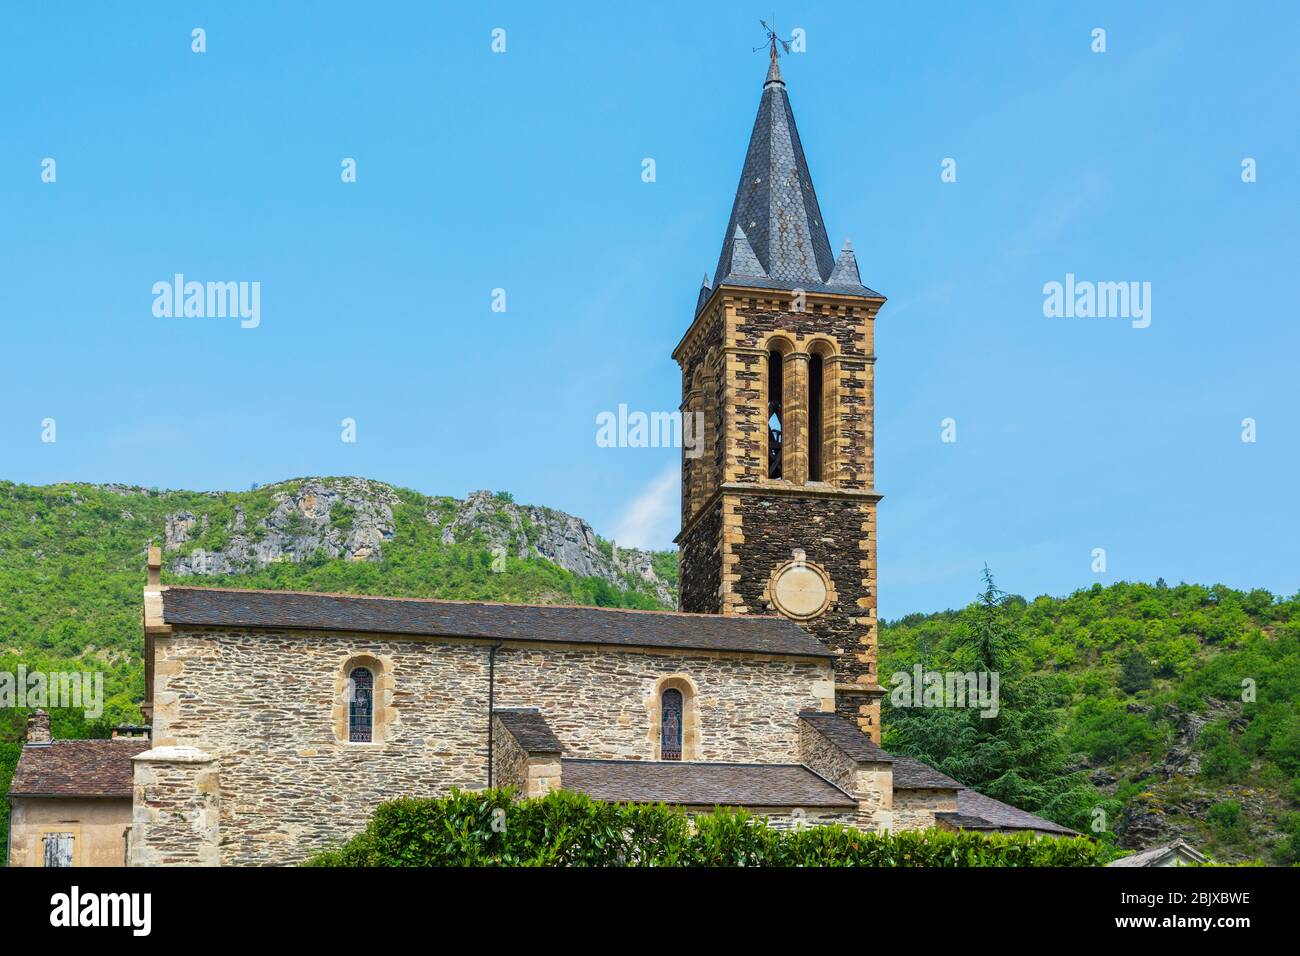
[279, 720]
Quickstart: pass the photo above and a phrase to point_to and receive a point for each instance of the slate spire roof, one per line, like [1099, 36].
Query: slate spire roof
[776, 237]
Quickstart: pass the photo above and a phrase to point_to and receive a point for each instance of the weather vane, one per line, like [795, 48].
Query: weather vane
[772, 40]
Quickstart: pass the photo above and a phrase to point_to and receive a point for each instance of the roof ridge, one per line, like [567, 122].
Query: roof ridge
[688, 763]
[829, 781]
[200, 607]
[467, 601]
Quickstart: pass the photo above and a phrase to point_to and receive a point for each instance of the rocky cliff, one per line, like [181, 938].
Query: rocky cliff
[353, 519]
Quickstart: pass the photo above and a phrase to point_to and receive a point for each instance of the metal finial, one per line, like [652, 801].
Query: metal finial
[774, 69]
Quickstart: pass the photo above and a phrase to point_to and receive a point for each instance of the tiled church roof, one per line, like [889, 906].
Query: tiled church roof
[1002, 816]
[911, 774]
[228, 607]
[702, 784]
[76, 768]
[776, 237]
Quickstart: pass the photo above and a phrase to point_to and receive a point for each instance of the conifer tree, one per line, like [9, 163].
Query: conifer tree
[1017, 755]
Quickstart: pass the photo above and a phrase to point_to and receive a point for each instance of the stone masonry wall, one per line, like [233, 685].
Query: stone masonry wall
[700, 475]
[830, 531]
[509, 761]
[787, 818]
[824, 758]
[264, 704]
[915, 809]
[176, 809]
[701, 565]
[603, 703]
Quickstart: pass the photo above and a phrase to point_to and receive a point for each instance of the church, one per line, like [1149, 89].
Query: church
[276, 721]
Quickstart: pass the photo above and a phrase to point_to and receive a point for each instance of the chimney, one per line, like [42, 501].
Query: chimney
[38, 729]
[155, 567]
[131, 732]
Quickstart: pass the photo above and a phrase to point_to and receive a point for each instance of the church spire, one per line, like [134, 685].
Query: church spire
[776, 237]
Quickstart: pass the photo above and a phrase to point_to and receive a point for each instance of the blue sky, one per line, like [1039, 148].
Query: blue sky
[522, 171]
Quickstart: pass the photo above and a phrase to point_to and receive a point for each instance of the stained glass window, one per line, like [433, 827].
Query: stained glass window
[361, 686]
[670, 740]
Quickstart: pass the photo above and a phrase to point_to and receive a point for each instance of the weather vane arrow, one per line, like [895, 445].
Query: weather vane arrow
[772, 40]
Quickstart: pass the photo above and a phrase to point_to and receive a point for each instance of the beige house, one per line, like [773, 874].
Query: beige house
[280, 720]
[70, 800]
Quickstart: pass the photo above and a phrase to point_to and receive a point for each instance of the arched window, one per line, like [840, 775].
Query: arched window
[775, 389]
[670, 725]
[361, 705]
[815, 412]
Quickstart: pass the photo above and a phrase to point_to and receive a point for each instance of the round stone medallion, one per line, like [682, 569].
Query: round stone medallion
[800, 590]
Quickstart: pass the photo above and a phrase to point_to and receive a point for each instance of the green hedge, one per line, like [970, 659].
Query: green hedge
[488, 828]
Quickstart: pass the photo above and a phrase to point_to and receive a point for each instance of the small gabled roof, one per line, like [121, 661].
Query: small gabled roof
[846, 736]
[688, 783]
[1162, 855]
[77, 768]
[530, 729]
[562, 624]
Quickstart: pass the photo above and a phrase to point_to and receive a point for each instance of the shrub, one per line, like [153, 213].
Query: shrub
[1105, 730]
[489, 828]
[1224, 759]
[1226, 817]
[1284, 746]
[1287, 850]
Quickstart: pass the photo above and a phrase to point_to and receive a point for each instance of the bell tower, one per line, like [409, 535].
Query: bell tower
[778, 499]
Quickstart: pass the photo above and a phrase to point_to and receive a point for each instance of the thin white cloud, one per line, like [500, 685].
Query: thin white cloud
[650, 519]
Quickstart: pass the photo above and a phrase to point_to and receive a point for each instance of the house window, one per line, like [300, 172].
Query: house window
[361, 709]
[670, 725]
[58, 849]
